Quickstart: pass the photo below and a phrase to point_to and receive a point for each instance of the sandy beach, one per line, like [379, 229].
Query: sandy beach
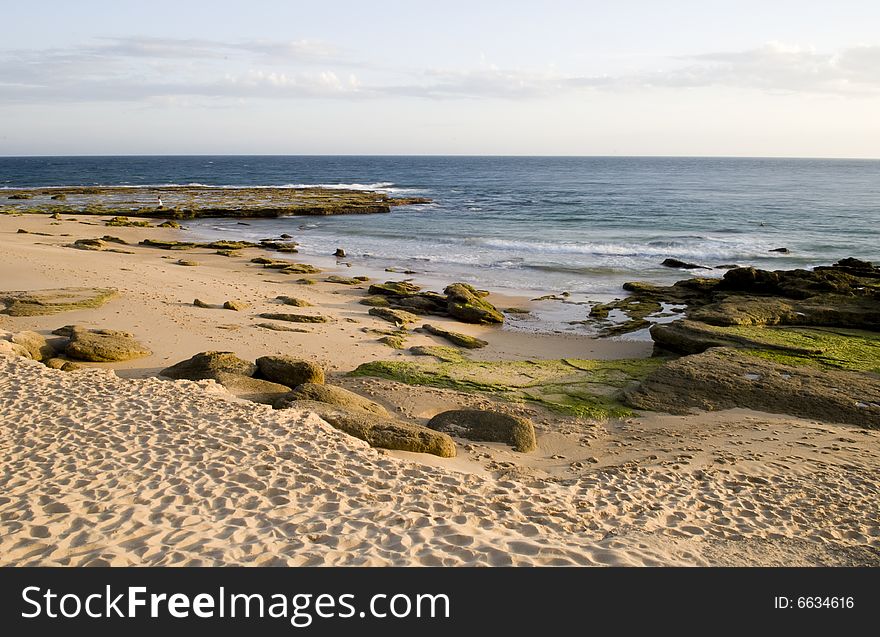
[109, 464]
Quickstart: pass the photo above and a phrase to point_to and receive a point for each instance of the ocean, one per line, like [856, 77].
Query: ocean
[536, 225]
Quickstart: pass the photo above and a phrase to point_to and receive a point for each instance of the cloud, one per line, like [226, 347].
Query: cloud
[144, 68]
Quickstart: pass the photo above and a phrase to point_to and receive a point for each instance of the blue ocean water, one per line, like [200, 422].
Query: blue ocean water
[537, 224]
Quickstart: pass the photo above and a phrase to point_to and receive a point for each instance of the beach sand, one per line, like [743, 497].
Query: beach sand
[108, 465]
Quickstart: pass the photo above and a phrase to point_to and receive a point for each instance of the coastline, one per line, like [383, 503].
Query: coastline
[649, 490]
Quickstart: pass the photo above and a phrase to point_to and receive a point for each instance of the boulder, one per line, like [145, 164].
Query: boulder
[462, 340]
[8, 348]
[722, 378]
[330, 395]
[253, 389]
[375, 301]
[339, 254]
[387, 433]
[398, 317]
[290, 371]
[205, 365]
[88, 244]
[465, 303]
[104, 346]
[238, 306]
[37, 346]
[676, 263]
[292, 300]
[487, 426]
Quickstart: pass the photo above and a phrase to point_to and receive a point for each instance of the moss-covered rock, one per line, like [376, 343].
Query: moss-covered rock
[208, 365]
[200, 303]
[292, 300]
[394, 288]
[125, 221]
[487, 426]
[343, 280]
[237, 306]
[446, 354]
[584, 388]
[394, 341]
[88, 244]
[54, 301]
[290, 371]
[375, 301]
[295, 318]
[187, 262]
[170, 223]
[462, 340]
[400, 318]
[465, 303]
[330, 395]
[722, 378]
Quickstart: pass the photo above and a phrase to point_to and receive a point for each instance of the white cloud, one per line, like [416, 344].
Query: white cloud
[139, 68]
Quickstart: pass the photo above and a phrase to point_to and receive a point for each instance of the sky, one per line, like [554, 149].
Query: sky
[710, 78]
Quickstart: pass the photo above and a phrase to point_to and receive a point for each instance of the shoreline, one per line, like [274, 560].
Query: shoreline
[648, 489]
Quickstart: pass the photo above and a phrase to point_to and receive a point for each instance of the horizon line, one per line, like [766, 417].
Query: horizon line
[429, 155]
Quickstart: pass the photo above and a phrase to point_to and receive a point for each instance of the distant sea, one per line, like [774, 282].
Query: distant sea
[536, 225]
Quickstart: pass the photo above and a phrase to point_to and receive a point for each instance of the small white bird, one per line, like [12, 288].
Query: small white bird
[160, 201]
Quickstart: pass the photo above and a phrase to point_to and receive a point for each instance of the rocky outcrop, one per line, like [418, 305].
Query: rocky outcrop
[722, 378]
[36, 345]
[295, 318]
[487, 426]
[677, 263]
[460, 300]
[53, 301]
[209, 365]
[398, 317]
[330, 395]
[253, 389]
[462, 340]
[290, 371]
[104, 346]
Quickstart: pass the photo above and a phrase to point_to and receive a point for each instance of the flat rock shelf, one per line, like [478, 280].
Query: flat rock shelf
[188, 202]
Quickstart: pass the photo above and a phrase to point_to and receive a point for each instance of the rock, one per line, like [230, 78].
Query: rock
[398, 317]
[445, 354]
[68, 330]
[726, 266]
[208, 365]
[253, 389]
[238, 306]
[22, 231]
[339, 254]
[55, 363]
[487, 426]
[292, 300]
[290, 371]
[169, 224]
[466, 304]
[295, 318]
[820, 310]
[386, 433]
[281, 328]
[104, 346]
[375, 301]
[187, 262]
[276, 264]
[305, 281]
[228, 253]
[300, 268]
[8, 348]
[60, 197]
[780, 250]
[694, 337]
[37, 346]
[200, 303]
[342, 280]
[676, 263]
[394, 341]
[722, 378]
[331, 395]
[394, 288]
[109, 238]
[88, 244]
[125, 221]
[462, 340]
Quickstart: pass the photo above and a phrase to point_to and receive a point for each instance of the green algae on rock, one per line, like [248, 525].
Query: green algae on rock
[584, 388]
[54, 301]
[457, 338]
